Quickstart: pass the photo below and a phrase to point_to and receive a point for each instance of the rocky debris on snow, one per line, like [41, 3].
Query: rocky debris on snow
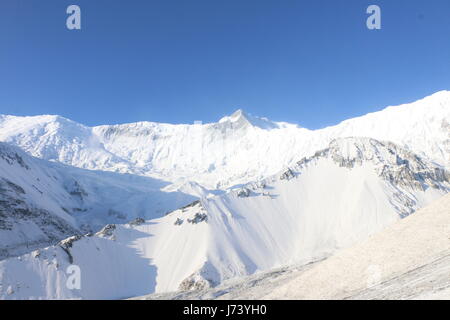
[12, 157]
[191, 205]
[108, 230]
[36, 253]
[191, 284]
[186, 208]
[67, 244]
[178, 222]
[243, 193]
[195, 282]
[287, 175]
[137, 222]
[268, 194]
[6, 185]
[198, 217]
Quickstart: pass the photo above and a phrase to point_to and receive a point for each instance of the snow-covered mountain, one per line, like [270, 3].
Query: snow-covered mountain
[204, 202]
[237, 149]
[42, 203]
[333, 199]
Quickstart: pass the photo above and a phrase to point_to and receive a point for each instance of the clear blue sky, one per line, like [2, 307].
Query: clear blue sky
[310, 62]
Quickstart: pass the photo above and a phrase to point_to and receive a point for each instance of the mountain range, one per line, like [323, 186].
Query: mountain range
[235, 150]
[149, 208]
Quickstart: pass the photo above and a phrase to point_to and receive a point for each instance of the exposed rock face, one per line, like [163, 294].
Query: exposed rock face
[137, 222]
[193, 213]
[191, 205]
[52, 227]
[67, 244]
[6, 185]
[12, 157]
[243, 193]
[25, 224]
[14, 208]
[178, 222]
[287, 175]
[204, 278]
[199, 217]
[395, 164]
[194, 283]
[403, 170]
[107, 231]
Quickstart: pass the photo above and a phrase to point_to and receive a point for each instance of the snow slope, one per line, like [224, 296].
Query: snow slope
[42, 202]
[408, 260]
[237, 149]
[336, 198]
[402, 250]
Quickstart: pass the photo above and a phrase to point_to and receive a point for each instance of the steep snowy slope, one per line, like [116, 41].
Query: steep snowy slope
[339, 196]
[42, 202]
[418, 242]
[408, 260]
[237, 149]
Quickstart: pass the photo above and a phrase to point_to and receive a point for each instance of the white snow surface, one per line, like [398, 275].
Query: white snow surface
[402, 250]
[237, 149]
[338, 197]
[408, 260]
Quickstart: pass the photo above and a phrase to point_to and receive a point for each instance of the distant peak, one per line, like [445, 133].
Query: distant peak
[239, 114]
[243, 118]
[235, 116]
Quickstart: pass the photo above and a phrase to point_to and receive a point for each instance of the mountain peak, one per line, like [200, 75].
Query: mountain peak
[235, 116]
[242, 118]
[239, 114]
